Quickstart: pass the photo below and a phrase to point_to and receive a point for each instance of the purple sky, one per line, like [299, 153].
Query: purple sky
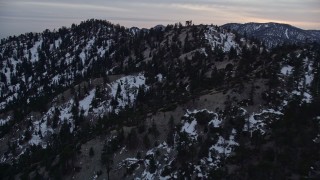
[20, 16]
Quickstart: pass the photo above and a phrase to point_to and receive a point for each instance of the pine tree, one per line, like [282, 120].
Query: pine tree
[132, 139]
[55, 118]
[146, 141]
[152, 165]
[91, 152]
[107, 159]
[118, 93]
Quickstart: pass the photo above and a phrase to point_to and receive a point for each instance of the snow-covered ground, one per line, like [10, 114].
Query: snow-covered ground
[309, 75]
[223, 148]
[286, 70]
[190, 128]
[256, 121]
[223, 39]
[65, 111]
[34, 51]
[40, 130]
[5, 120]
[85, 103]
[126, 96]
[304, 83]
[129, 89]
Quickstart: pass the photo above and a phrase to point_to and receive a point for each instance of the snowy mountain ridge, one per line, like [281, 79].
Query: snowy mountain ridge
[272, 34]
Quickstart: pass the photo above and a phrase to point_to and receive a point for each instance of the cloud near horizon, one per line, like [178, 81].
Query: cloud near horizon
[21, 16]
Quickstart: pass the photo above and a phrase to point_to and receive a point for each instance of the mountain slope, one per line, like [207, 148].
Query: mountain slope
[162, 103]
[272, 34]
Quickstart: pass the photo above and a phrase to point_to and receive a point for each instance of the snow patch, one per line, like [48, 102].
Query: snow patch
[125, 96]
[147, 175]
[160, 77]
[85, 103]
[40, 130]
[286, 70]
[34, 51]
[35, 140]
[129, 86]
[216, 122]
[83, 56]
[65, 113]
[223, 39]
[256, 121]
[308, 74]
[5, 121]
[190, 128]
[287, 34]
[224, 146]
[57, 42]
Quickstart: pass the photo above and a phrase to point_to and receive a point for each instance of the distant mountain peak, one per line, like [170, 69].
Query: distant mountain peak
[273, 34]
[159, 27]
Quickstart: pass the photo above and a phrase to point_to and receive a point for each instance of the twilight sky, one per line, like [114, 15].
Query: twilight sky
[20, 16]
